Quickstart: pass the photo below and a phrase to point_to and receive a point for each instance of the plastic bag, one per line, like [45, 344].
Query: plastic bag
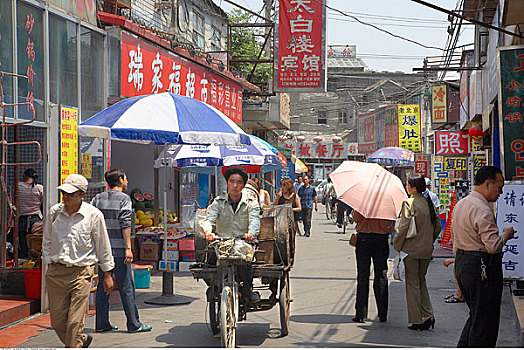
[399, 272]
[234, 249]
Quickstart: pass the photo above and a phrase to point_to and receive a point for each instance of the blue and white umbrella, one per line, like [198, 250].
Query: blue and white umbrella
[201, 156]
[165, 118]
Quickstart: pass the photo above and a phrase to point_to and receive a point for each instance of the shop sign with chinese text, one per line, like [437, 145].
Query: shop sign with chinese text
[422, 163]
[451, 143]
[301, 54]
[409, 127]
[147, 69]
[68, 142]
[511, 105]
[391, 127]
[322, 150]
[366, 133]
[439, 111]
[510, 212]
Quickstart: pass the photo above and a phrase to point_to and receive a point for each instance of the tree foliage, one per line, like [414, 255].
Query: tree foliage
[246, 43]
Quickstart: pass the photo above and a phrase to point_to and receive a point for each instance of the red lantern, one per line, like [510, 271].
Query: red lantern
[336, 139]
[317, 139]
[476, 132]
[301, 138]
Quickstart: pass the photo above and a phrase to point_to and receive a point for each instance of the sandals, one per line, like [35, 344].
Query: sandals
[142, 328]
[449, 296]
[454, 300]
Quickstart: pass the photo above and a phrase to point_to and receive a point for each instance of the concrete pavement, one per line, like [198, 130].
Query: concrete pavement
[323, 289]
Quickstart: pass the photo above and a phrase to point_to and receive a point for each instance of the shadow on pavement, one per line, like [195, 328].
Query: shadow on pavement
[322, 319]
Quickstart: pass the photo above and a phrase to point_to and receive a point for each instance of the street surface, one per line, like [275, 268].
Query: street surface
[323, 289]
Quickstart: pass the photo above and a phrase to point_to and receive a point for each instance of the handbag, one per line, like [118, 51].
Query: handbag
[412, 230]
[353, 239]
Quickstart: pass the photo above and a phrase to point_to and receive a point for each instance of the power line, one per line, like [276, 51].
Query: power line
[390, 24]
[380, 29]
[403, 19]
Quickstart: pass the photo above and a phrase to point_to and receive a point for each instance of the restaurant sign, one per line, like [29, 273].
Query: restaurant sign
[147, 69]
[511, 104]
[439, 111]
[301, 55]
[409, 127]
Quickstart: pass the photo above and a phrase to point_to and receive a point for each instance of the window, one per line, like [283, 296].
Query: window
[322, 118]
[30, 44]
[216, 39]
[63, 63]
[342, 117]
[92, 72]
[198, 30]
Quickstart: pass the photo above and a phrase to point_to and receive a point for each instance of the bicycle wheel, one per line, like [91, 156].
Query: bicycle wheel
[328, 210]
[344, 225]
[334, 214]
[228, 321]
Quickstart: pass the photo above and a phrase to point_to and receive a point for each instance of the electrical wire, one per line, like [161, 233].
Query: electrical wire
[380, 29]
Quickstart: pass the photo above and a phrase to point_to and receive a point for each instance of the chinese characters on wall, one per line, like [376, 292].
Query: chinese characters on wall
[510, 212]
[301, 45]
[68, 142]
[439, 104]
[147, 69]
[321, 150]
[511, 105]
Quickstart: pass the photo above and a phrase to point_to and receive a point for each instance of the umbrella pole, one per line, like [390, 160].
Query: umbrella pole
[168, 283]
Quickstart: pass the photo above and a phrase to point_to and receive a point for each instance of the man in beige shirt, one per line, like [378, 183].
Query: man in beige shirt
[75, 239]
[478, 258]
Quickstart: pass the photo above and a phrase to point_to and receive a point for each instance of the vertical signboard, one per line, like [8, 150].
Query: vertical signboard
[511, 104]
[510, 212]
[439, 100]
[366, 132]
[301, 54]
[391, 127]
[409, 127]
[146, 69]
[422, 164]
[68, 142]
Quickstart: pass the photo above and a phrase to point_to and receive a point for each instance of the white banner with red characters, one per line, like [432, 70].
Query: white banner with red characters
[422, 163]
[147, 69]
[301, 54]
[323, 150]
[451, 143]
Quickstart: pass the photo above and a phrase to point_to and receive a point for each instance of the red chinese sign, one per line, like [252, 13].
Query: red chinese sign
[439, 104]
[452, 143]
[301, 46]
[366, 132]
[422, 164]
[511, 106]
[147, 69]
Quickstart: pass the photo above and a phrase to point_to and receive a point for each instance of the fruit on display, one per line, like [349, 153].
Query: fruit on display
[149, 200]
[143, 219]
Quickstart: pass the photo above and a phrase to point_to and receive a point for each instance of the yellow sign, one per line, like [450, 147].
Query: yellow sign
[455, 163]
[439, 104]
[87, 165]
[409, 128]
[68, 142]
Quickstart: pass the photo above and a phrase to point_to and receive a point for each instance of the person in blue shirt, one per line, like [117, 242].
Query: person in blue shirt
[308, 197]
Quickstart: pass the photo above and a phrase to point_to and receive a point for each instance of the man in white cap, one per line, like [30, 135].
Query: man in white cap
[432, 196]
[75, 239]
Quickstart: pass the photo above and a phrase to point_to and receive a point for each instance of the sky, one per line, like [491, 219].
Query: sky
[380, 51]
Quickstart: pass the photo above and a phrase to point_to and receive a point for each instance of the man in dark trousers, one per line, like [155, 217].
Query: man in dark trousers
[478, 258]
[308, 197]
[117, 210]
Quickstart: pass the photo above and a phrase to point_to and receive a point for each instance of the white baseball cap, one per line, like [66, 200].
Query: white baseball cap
[73, 183]
[428, 182]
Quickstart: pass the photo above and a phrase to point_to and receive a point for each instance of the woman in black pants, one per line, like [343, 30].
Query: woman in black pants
[29, 208]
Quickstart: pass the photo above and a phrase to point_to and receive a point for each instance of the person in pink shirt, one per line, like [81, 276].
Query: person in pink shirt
[29, 208]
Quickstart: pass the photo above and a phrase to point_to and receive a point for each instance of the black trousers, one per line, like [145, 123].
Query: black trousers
[306, 220]
[483, 297]
[372, 246]
[25, 223]
[342, 208]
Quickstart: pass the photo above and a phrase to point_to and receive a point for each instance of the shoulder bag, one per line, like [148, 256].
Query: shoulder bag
[412, 230]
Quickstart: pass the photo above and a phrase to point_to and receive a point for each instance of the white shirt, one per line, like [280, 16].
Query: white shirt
[77, 240]
[434, 198]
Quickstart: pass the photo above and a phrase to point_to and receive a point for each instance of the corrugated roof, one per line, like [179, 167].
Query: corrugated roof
[345, 62]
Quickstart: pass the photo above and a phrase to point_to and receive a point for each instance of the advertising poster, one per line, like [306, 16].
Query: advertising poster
[439, 111]
[68, 142]
[511, 104]
[409, 127]
[87, 166]
[422, 162]
[452, 143]
[510, 212]
[301, 52]
[147, 69]
[391, 127]
[366, 133]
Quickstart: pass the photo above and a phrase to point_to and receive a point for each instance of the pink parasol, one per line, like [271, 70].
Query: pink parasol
[369, 189]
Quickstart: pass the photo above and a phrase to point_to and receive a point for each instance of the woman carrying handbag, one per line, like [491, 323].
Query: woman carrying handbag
[417, 243]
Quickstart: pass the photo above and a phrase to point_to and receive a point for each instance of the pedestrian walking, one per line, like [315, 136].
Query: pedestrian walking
[308, 198]
[288, 196]
[263, 195]
[419, 249]
[75, 239]
[372, 244]
[433, 196]
[299, 183]
[478, 259]
[29, 208]
[117, 209]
